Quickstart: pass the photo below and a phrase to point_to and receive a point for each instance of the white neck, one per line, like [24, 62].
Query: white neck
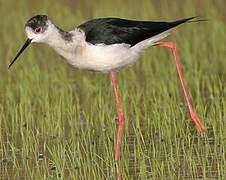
[54, 38]
[64, 43]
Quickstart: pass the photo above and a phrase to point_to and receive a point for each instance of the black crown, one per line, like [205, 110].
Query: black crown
[37, 21]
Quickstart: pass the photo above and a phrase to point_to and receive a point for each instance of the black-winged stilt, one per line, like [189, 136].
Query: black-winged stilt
[107, 45]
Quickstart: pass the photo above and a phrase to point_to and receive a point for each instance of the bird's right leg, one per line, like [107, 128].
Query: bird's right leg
[194, 116]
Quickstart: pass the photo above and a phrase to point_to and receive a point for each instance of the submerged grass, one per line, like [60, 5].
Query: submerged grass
[59, 123]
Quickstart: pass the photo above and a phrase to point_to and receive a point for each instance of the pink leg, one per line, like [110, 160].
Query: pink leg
[121, 122]
[194, 116]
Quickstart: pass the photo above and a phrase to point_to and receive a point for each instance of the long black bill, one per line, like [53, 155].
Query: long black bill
[28, 41]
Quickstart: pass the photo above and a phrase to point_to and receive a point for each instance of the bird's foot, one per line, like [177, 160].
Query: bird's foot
[196, 120]
[118, 172]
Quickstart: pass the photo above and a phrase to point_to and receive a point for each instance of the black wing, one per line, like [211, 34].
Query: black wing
[116, 30]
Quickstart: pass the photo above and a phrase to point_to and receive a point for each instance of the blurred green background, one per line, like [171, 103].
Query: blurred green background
[58, 122]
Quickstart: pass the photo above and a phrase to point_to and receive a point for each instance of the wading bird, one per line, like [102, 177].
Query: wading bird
[107, 45]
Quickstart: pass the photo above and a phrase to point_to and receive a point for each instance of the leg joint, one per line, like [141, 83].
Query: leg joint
[167, 44]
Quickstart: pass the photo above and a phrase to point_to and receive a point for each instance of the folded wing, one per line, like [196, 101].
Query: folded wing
[115, 30]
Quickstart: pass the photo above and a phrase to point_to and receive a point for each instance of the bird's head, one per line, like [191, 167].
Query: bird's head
[38, 29]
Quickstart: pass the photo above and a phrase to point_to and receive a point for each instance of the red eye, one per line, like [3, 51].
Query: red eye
[38, 30]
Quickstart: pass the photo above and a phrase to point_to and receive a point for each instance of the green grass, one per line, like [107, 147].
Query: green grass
[59, 123]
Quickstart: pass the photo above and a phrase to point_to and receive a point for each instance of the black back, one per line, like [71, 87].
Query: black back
[116, 30]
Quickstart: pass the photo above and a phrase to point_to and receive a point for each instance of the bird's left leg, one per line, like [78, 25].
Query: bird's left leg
[121, 121]
[194, 116]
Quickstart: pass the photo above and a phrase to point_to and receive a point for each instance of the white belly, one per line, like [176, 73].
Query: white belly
[103, 57]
